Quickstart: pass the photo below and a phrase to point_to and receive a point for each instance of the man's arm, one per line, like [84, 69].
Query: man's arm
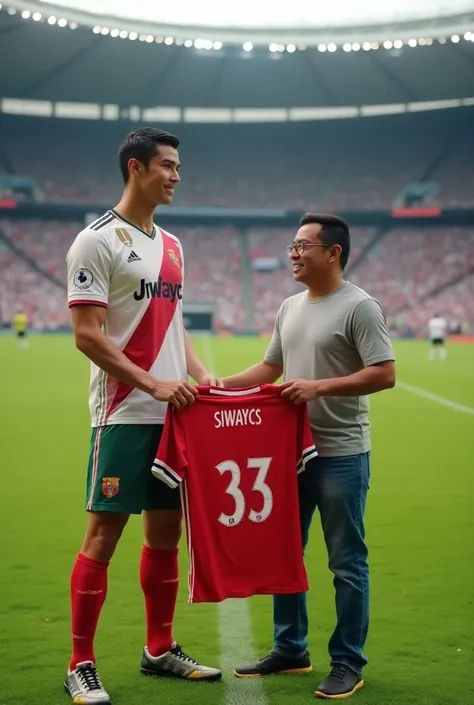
[87, 322]
[374, 378]
[265, 372]
[194, 366]
[261, 373]
[372, 340]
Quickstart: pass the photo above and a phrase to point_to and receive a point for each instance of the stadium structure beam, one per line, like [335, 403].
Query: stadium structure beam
[406, 91]
[13, 27]
[458, 49]
[216, 82]
[61, 66]
[171, 60]
[321, 85]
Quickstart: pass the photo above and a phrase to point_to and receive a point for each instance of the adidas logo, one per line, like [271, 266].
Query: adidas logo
[133, 257]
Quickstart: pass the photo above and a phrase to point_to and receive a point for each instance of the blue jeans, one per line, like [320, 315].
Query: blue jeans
[338, 488]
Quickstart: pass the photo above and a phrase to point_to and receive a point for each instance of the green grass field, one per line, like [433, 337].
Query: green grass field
[420, 533]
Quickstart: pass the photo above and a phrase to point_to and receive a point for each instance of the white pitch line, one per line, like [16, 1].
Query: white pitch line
[235, 633]
[434, 397]
[235, 628]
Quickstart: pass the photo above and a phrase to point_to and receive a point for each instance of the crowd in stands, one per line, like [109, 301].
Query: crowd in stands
[23, 288]
[212, 271]
[413, 273]
[330, 165]
[406, 268]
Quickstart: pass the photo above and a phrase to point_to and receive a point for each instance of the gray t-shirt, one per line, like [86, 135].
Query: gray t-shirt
[332, 337]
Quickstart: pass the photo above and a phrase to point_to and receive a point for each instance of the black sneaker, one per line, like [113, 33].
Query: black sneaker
[341, 683]
[275, 664]
[176, 664]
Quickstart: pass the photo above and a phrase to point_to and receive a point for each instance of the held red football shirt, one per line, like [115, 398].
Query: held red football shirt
[238, 452]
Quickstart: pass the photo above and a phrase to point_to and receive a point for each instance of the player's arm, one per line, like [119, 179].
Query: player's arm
[372, 340]
[90, 339]
[265, 372]
[195, 367]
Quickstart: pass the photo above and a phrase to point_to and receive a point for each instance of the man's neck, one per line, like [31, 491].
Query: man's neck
[323, 288]
[137, 211]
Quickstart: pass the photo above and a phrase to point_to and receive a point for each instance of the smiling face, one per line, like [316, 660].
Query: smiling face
[311, 257]
[158, 179]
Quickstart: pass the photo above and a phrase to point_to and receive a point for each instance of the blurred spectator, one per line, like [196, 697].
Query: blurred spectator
[413, 273]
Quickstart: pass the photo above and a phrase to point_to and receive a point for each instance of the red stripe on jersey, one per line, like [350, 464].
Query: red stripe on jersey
[87, 302]
[147, 339]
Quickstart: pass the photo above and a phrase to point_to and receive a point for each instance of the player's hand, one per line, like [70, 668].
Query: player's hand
[177, 393]
[300, 391]
[208, 380]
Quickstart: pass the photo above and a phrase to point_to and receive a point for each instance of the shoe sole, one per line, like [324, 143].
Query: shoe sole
[289, 672]
[194, 679]
[80, 700]
[325, 696]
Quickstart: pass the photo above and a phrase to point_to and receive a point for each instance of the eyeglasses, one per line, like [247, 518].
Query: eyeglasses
[300, 247]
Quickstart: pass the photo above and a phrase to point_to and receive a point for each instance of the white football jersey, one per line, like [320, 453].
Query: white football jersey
[138, 278]
[437, 327]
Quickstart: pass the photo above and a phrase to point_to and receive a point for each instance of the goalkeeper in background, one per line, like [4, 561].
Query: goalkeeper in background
[20, 326]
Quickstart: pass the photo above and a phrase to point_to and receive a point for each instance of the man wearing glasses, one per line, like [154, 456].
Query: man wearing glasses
[332, 345]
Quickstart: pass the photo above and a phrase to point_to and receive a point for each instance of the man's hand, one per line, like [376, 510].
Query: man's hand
[177, 393]
[300, 391]
[208, 380]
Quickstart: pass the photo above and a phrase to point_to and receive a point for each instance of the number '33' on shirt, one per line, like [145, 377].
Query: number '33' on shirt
[235, 455]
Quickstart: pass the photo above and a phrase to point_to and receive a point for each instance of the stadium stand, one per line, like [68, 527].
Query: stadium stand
[413, 272]
[409, 266]
[320, 165]
[213, 271]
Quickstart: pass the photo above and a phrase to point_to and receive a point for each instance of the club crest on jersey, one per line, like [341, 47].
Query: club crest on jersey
[124, 236]
[110, 486]
[174, 258]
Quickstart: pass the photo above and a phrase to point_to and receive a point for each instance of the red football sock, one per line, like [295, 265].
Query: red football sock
[159, 581]
[88, 591]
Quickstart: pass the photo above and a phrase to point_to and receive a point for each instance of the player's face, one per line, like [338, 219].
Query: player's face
[159, 180]
[309, 264]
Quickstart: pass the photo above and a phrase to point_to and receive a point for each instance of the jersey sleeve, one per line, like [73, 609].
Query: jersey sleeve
[170, 462]
[89, 266]
[306, 447]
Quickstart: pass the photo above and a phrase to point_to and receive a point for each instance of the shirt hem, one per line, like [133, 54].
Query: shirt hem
[126, 421]
[339, 453]
[243, 594]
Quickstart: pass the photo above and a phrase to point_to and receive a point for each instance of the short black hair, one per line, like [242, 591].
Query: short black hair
[143, 144]
[334, 231]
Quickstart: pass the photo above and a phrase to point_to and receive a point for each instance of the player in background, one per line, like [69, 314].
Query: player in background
[20, 325]
[125, 280]
[437, 329]
[332, 345]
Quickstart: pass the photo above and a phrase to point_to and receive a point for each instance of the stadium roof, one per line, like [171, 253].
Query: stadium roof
[56, 58]
[268, 15]
[264, 22]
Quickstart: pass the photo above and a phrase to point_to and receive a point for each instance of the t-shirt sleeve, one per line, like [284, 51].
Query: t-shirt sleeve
[306, 447]
[370, 333]
[274, 354]
[89, 266]
[170, 462]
